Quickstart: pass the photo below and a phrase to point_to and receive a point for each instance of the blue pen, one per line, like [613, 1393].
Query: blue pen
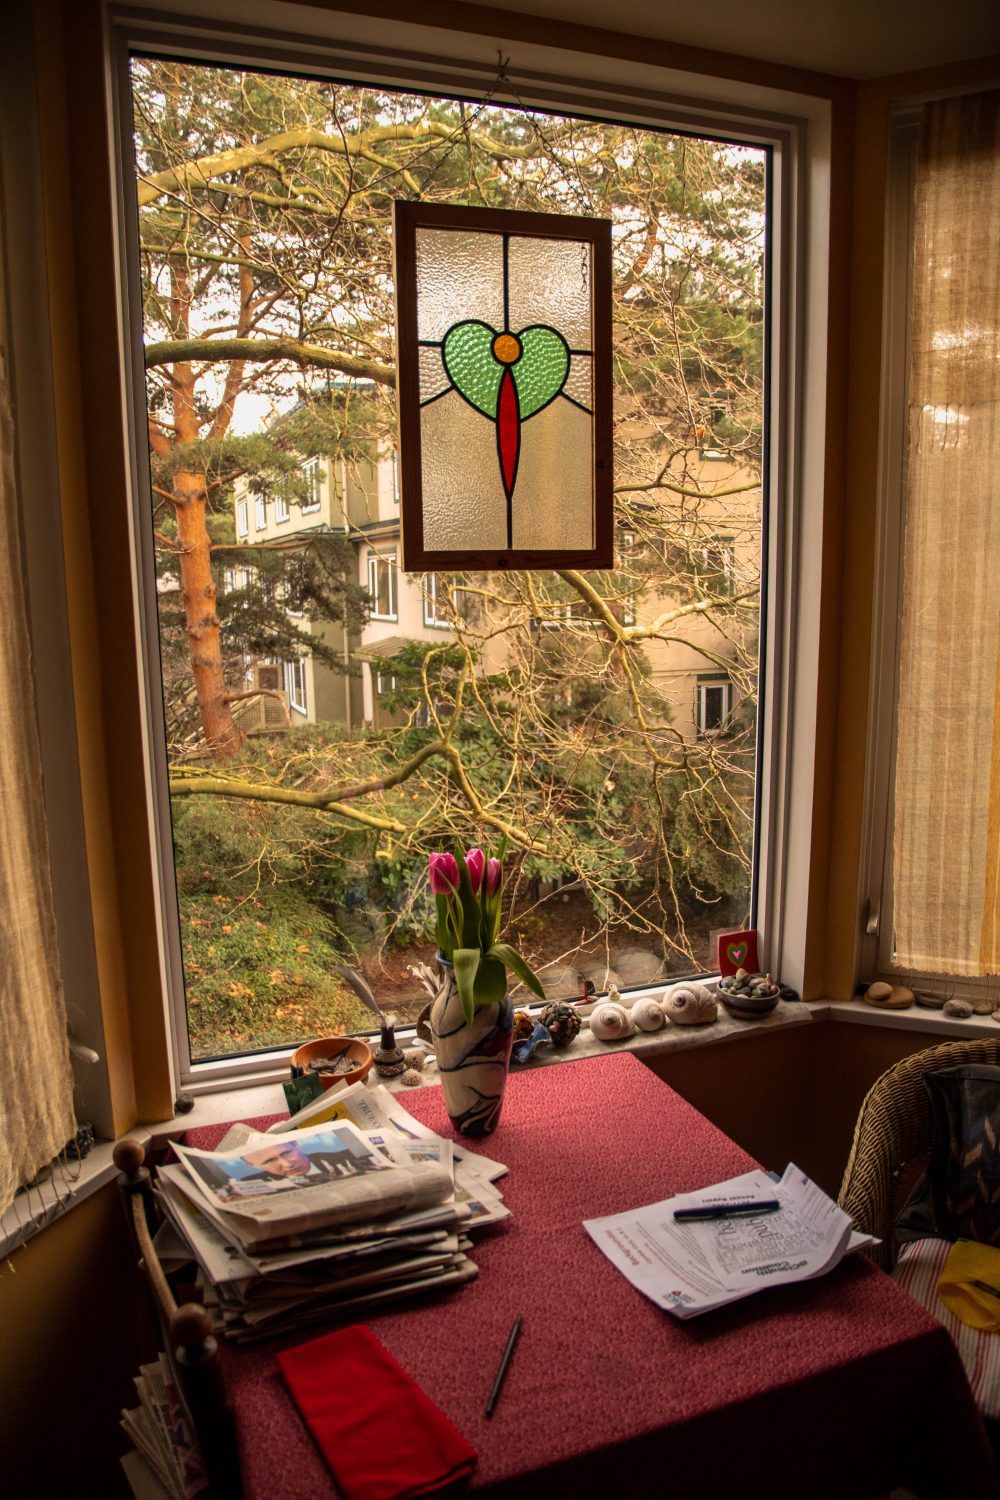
[728, 1210]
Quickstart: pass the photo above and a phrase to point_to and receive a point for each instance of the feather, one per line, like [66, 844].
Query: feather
[361, 989]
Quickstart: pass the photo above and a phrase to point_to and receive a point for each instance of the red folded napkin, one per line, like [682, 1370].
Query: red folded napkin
[382, 1436]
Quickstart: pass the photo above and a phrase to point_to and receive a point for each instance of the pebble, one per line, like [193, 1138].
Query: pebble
[339, 1064]
[984, 1006]
[930, 1001]
[957, 1007]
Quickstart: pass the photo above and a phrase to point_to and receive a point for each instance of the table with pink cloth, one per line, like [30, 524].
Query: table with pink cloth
[840, 1388]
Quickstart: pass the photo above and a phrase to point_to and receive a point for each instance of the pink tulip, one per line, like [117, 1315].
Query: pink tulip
[475, 860]
[492, 875]
[443, 869]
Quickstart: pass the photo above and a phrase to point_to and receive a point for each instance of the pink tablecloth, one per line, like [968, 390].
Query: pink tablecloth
[836, 1389]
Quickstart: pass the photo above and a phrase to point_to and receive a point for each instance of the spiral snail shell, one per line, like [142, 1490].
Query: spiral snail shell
[647, 1014]
[690, 1005]
[609, 1021]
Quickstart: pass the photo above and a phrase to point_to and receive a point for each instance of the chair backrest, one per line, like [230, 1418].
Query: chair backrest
[893, 1130]
[191, 1347]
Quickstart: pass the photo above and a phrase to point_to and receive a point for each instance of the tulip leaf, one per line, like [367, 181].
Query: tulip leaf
[491, 982]
[466, 961]
[511, 959]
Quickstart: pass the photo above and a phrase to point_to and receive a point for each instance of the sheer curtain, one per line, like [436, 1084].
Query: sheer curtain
[36, 1082]
[946, 857]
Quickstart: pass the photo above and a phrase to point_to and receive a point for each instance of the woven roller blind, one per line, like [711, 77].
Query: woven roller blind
[36, 1082]
[946, 856]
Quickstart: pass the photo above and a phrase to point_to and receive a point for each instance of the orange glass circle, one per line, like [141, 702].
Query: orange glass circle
[507, 348]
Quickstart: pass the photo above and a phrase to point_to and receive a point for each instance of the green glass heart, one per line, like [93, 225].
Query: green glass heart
[539, 373]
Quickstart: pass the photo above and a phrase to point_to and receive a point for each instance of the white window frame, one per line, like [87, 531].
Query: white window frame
[295, 684]
[385, 682]
[377, 560]
[431, 596]
[314, 479]
[282, 511]
[711, 684]
[242, 517]
[798, 128]
[260, 513]
[719, 557]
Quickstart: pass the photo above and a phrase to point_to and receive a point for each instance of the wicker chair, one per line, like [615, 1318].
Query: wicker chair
[893, 1134]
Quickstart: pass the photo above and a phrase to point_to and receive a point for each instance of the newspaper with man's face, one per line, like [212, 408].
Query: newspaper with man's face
[271, 1186]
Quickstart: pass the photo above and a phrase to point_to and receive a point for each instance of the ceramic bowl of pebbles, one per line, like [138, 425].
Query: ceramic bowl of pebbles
[334, 1059]
[748, 996]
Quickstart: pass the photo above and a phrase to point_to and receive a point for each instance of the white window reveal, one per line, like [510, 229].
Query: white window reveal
[715, 703]
[260, 516]
[281, 509]
[295, 684]
[385, 682]
[311, 475]
[382, 585]
[242, 518]
[441, 601]
[718, 559]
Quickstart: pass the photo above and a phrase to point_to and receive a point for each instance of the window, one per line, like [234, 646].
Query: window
[295, 684]
[242, 519]
[934, 789]
[442, 600]
[386, 682]
[718, 559]
[312, 477]
[715, 704]
[260, 513]
[281, 510]
[547, 693]
[382, 585]
[395, 477]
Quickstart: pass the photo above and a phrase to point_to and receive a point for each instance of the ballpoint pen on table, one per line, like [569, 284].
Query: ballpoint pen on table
[728, 1210]
[502, 1369]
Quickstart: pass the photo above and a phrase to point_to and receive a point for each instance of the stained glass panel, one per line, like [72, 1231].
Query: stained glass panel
[503, 323]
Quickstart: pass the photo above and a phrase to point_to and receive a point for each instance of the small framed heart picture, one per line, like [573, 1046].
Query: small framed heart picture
[738, 950]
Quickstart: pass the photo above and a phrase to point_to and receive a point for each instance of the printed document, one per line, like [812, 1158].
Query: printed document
[691, 1266]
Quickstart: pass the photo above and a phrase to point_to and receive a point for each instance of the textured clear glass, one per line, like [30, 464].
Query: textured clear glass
[464, 504]
[459, 275]
[580, 381]
[551, 281]
[553, 502]
[433, 375]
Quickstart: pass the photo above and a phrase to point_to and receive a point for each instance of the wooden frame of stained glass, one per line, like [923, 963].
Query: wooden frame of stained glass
[503, 325]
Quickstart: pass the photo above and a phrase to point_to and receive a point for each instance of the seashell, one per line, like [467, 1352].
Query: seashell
[411, 1078]
[610, 1021]
[647, 1014]
[690, 1005]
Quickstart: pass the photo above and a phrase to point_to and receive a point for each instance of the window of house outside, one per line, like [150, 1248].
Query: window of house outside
[242, 518]
[629, 845]
[719, 562]
[260, 513]
[442, 600]
[295, 684]
[382, 575]
[311, 475]
[282, 510]
[395, 477]
[715, 704]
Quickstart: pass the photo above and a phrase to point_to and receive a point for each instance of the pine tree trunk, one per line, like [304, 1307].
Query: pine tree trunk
[204, 635]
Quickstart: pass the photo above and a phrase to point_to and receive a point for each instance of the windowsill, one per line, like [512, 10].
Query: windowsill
[255, 1099]
[268, 1098]
[932, 1023]
[29, 1214]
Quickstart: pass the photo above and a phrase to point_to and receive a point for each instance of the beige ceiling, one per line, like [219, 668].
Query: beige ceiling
[854, 38]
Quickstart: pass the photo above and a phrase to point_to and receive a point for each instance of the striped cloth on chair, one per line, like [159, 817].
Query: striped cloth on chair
[918, 1269]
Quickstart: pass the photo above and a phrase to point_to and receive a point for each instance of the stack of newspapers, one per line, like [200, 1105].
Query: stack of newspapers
[351, 1203]
[163, 1463]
